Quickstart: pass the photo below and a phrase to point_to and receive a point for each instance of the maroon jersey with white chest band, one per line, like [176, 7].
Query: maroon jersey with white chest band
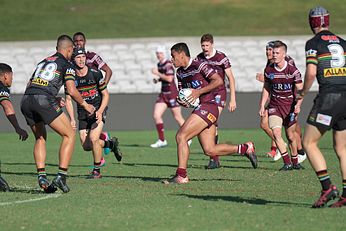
[219, 61]
[282, 83]
[196, 75]
[166, 68]
[94, 61]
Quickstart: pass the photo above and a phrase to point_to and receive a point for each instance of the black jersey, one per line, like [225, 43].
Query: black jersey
[327, 51]
[4, 92]
[50, 74]
[90, 87]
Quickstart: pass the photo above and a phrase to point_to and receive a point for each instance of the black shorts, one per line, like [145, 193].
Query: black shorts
[90, 122]
[40, 108]
[329, 111]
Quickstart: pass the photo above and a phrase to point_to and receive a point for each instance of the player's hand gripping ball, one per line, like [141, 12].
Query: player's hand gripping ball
[184, 94]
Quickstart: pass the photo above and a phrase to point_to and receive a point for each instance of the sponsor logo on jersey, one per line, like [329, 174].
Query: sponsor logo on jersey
[271, 76]
[311, 53]
[195, 84]
[211, 118]
[330, 38]
[282, 86]
[329, 72]
[70, 71]
[4, 93]
[323, 119]
[203, 112]
[41, 82]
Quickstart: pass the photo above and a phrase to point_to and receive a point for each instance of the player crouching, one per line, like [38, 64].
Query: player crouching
[93, 89]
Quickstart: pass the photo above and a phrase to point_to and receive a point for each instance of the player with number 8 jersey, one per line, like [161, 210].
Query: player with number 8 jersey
[40, 106]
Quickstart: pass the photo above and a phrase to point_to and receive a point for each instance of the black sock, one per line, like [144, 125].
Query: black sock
[344, 188]
[41, 172]
[324, 179]
[109, 144]
[97, 167]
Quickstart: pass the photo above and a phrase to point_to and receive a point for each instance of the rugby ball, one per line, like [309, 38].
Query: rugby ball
[184, 94]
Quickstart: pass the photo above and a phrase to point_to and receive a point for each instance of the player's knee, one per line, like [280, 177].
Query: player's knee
[180, 137]
[86, 147]
[209, 151]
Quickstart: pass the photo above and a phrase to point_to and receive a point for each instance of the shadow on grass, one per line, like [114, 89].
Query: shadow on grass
[26, 190]
[47, 164]
[238, 199]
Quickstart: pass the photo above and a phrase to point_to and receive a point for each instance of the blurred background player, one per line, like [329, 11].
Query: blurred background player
[274, 152]
[164, 73]
[93, 89]
[282, 79]
[40, 106]
[94, 61]
[6, 76]
[221, 63]
[203, 79]
[325, 60]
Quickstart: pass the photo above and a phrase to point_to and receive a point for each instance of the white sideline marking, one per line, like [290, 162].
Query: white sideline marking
[55, 195]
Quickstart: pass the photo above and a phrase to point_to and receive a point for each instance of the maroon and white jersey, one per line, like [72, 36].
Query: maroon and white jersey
[94, 61]
[219, 61]
[167, 68]
[282, 83]
[196, 75]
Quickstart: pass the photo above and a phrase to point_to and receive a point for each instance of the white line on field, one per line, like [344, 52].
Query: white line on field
[32, 200]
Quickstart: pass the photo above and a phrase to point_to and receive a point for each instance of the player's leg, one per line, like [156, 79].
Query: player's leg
[159, 109]
[339, 140]
[264, 124]
[292, 139]
[311, 139]
[192, 127]
[62, 126]
[94, 138]
[301, 153]
[275, 123]
[214, 161]
[211, 149]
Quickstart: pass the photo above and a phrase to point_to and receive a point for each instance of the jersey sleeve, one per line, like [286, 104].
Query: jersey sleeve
[311, 52]
[169, 69]
[69, 74]
[4, 94]
[101, 84]
[207, 70]
[98, 61]
[297, 76]
[225, 62]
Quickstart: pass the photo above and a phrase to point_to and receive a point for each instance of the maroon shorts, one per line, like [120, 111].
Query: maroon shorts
[285, 112]
[208, 112]
[221, 97]
[169, 99]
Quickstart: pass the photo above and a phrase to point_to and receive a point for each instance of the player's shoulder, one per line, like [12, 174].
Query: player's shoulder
[221, 54]
[201, 56]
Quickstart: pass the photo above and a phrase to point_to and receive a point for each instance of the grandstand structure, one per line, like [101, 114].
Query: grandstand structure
[132, 59]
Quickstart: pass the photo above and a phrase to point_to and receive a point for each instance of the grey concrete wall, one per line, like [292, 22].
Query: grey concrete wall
[134, 112]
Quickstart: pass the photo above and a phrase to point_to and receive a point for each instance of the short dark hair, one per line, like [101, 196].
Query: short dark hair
[62, 39]
[5, 68]
[181, 47]
[79, 34]
[279, 43]
[207, 38]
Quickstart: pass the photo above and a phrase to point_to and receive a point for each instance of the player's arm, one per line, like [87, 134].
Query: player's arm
[232, 103]
[108, 72]
[161, 76]
[74, 93]
[299, 87]
[70, 110]
[264, 98]
[104, 104]
[310, 75]
[215, 82]
[11, 116]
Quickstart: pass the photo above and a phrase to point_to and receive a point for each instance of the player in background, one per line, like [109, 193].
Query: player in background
[203, 79]
[40, 106]
[274, 152]
[6, 77]
[93, 89]
[95, 62]
[325, 60]
[282, 80]
[164, 73]
[221, 63]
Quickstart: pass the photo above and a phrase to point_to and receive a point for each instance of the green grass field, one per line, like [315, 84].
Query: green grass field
[45, 20]
[131, 197]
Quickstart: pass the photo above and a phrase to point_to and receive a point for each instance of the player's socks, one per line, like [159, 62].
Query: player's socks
[273, 148]
[160, 131]
[242, 148]
[286, 158]
[62, 172]
[97, 167]
[41, 172]
[294, 160]
[324, 179]
[109, 144]
[181, 172]
[344, 188]
[215, 158]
